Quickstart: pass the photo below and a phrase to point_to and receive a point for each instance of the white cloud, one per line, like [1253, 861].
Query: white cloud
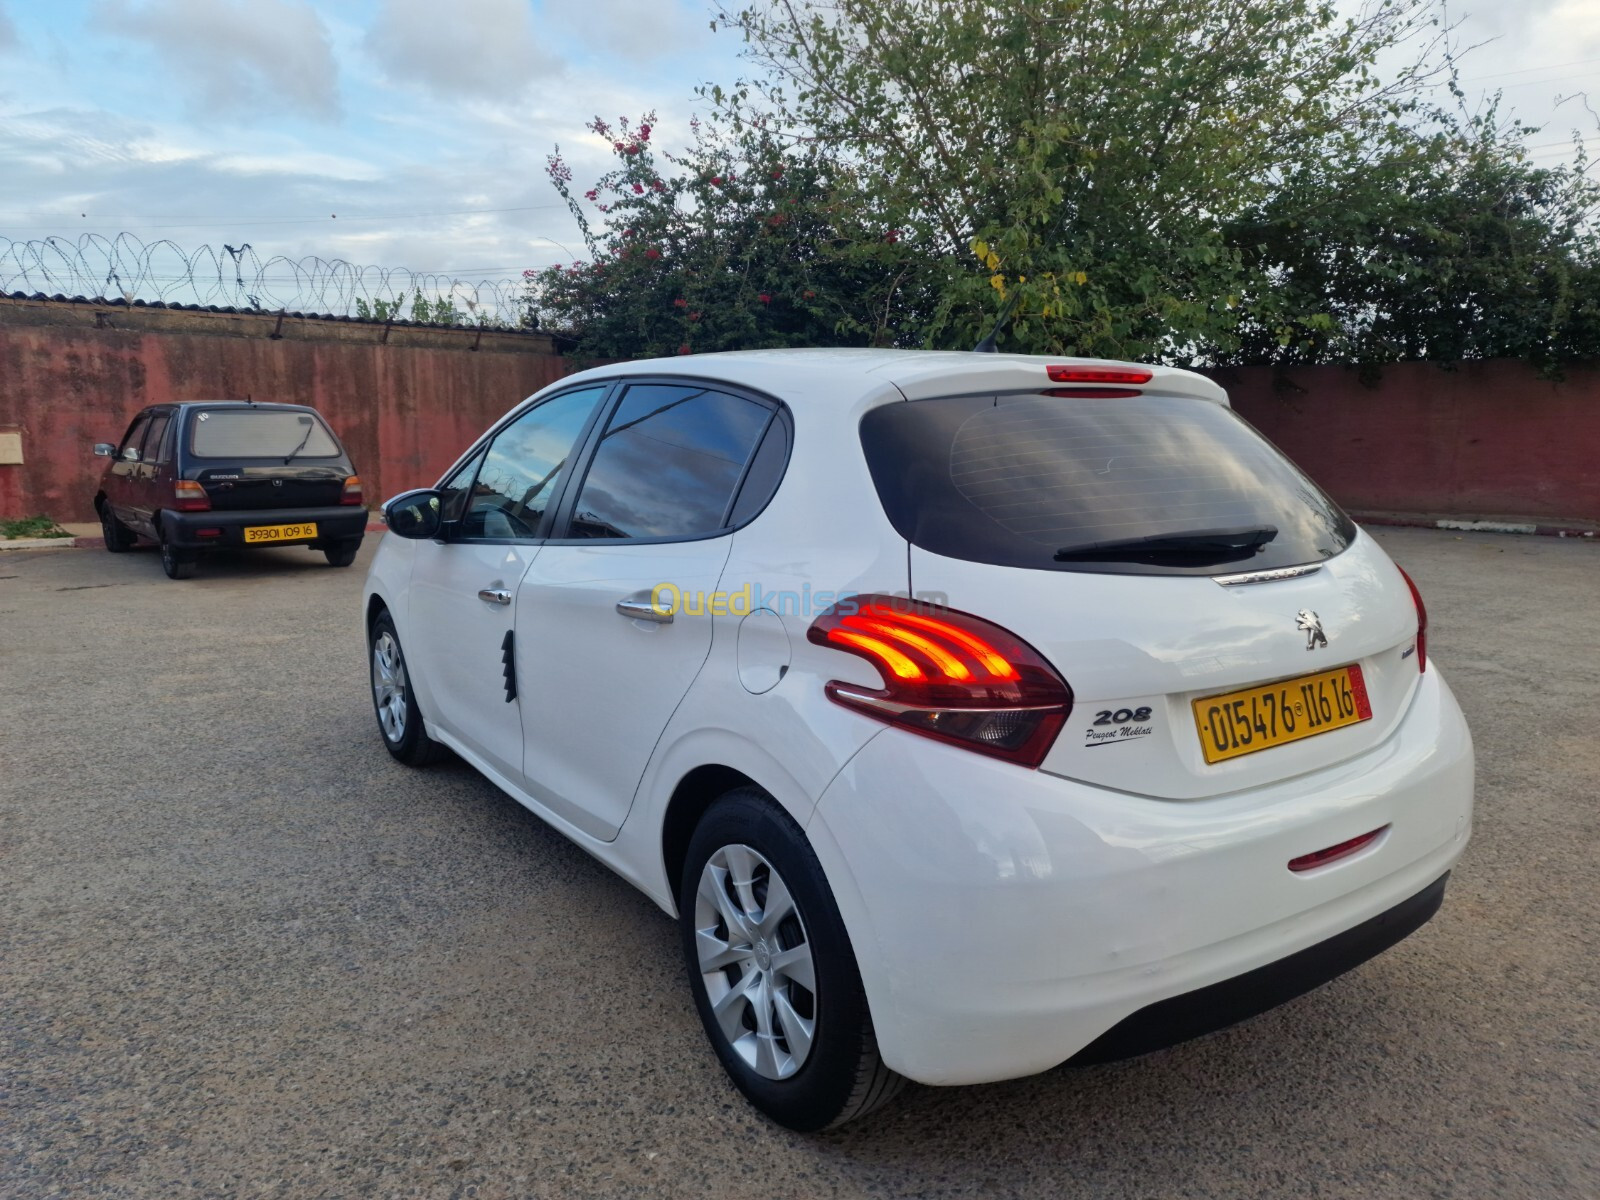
[641, 30]
[480, 48]
[248, 56]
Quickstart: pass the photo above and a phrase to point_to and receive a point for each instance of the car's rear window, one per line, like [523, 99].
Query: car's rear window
[259, 433]
[1012, 480]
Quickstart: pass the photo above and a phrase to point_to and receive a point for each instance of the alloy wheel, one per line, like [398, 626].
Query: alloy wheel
[389, 686]
[756, 962]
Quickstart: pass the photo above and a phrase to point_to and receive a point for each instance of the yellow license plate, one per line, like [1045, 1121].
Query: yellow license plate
[280, 533]
[1259, 718]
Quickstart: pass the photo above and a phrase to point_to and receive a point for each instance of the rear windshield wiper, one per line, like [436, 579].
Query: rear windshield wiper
[1238, 540]
[311, 427]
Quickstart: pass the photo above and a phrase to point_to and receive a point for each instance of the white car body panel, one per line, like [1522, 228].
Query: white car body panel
[1002, 917]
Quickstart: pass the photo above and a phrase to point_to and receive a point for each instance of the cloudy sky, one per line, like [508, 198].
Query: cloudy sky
[424, 124]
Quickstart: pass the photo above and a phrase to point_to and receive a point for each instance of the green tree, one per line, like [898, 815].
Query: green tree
[743, 241]
[1444, 246]
[1087, 154]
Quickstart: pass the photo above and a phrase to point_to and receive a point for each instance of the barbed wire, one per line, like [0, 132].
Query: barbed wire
[96, 266]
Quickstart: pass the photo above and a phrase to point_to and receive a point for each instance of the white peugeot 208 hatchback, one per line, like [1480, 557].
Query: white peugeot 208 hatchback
[972, 713]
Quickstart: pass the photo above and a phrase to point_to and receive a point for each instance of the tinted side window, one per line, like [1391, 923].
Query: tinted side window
[453, 492]
[668, 463]
[155, 437]
[134, 437]
[524, 466]
[766, 472]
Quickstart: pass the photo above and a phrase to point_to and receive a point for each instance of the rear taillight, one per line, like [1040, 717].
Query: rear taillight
[1422, 621]
[352, 491]
[948, 676]
[189, 496]
[1321, 858]
[1065, 374]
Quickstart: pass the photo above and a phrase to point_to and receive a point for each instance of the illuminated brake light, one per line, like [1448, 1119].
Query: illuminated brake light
[1321, 858]
[352, 491]
[189, 496]
[1422, 621]
[1066, 374]
[948, 676]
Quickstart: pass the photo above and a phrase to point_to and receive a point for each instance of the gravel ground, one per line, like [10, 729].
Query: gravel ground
[243, 953]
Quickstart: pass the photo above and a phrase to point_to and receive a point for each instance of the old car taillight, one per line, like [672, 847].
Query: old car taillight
[352, 491]
[948, 675]
[189, 496]
[1422, 621]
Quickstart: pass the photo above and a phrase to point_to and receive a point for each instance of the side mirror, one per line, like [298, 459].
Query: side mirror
[130, 454]
[415, 515]
[104, 449]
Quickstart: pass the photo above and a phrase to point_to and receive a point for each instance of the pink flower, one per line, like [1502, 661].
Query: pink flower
[652, 253]
[633, 149]
[683, 349]
[591, 194]
[778, 174]
[638, 189]
[680, 302]
[716, 181]
[644, 132]
[694, 316]
[809, 294]
[764, 298]
[892, 236]
[658, 185]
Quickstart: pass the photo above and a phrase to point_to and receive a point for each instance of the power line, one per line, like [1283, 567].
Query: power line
[199, 221]
[1577, 62]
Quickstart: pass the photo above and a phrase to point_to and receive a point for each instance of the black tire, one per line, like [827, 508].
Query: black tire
[342, 554]
[407, 739]
[842, 1077]
[178, 564]
[119, 538]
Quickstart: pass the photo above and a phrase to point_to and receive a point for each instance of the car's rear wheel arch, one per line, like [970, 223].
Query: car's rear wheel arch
[695, 793]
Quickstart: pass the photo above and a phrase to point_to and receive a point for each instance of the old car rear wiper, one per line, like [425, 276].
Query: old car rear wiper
[311, 427]
[1236, 540]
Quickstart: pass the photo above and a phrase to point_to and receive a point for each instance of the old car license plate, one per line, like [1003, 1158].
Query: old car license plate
[1259, 718]
[280, 533]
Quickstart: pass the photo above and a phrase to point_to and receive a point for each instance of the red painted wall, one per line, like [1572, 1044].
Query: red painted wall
[405, 413]
[1486, 439]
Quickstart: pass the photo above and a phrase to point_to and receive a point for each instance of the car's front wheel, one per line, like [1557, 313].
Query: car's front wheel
[118, 536]
[772, 970]
[399, 718]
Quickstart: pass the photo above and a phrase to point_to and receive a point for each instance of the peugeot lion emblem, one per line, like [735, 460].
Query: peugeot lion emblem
[1312, 624]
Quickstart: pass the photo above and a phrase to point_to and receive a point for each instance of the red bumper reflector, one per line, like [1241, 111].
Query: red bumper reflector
[1066, 374]
[208, 533]
[1321, 858]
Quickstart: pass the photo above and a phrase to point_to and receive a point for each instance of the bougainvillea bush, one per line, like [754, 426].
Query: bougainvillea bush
[740, 242]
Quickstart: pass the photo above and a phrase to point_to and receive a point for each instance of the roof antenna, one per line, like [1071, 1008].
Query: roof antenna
[987, 346]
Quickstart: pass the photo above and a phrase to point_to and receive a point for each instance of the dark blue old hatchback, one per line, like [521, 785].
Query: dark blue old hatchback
[230, 473]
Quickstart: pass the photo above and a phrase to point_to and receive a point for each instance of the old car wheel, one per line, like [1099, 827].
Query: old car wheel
[399, 719]
[118, 536]
[772, 971]
[342, 554]
[178, 564]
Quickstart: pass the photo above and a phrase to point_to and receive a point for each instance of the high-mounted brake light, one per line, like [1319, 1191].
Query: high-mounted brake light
[1065, 374]
[189, 496]
[1422, 621]
[948, 675]
[352, 491]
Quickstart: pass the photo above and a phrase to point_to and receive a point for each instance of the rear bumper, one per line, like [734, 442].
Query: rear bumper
[334, 524]
[1006, 920]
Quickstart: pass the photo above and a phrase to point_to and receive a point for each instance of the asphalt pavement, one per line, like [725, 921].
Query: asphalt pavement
[244, 953]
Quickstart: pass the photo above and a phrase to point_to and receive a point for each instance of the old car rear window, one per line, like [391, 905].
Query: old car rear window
[1013, 480]
[259, 433]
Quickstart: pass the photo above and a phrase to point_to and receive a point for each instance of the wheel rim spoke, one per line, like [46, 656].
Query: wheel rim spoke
[715, 954]
[729, 1009]
[797, 1030]
[389, 687]
[778, 905]
[795, 964]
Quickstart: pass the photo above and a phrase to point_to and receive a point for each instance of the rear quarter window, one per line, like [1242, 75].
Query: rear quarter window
[1010, 480]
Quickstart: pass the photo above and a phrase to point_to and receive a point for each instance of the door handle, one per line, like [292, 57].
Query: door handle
[643, 610]
[494, 595]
